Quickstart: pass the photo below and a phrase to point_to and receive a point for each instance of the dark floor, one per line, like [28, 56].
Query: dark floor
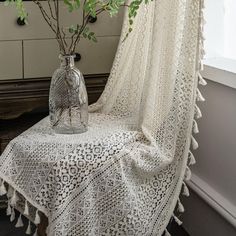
[7, 228]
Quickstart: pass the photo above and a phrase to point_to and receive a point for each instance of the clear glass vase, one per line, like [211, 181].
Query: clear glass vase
[68, 100]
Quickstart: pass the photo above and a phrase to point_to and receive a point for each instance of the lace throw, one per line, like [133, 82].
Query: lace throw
[124, 176]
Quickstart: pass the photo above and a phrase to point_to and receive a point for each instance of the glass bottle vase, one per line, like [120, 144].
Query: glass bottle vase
[68, 100]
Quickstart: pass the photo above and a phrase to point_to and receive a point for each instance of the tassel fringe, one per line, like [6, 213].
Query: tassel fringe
[187, 174]
[13, 215]
[8, 209]
[195, 127]
[185, 190]
[14, 198]
[194, 143]
[26, 211]
[198, 112]
[177, 220]
[47, 230]
[201, 66]
[3, 190]
[28, 230]
[19, 222]
[37, 218]
[180, 207]
[192, 160]
[200, 98]
[200, 78]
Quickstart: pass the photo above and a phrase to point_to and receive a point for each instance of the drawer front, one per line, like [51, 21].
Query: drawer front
[104, 26]
[41, 56]
[38, 28]
[10, 30]
[11, 60]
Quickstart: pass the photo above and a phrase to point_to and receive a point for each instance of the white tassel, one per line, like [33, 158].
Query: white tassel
[180, 207]
[201, 66]
[195, 127]
[198, 112]
[167, 233]
[177, 220]
[203, 52]
[201, 63]
[47, 230]
[8, 209]
[200, 78]
[37, 218]
[9, 192]
[19, 222]
[3, 190]
[13, 215]
[194, 143]
[28, 231]
[14, 198]
[192, 160]
[26, 211]
[35, 233]
[185, 190]
[200, 98]
[187, 174]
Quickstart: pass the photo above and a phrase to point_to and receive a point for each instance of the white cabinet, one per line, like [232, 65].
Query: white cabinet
[32, 52]
[41, 56]
[10, 60]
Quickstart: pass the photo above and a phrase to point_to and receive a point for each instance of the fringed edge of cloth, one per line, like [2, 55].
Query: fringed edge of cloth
[29, 211]
[179, 208]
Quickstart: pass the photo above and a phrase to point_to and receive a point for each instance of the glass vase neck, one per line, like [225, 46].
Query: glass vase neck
[67, 61]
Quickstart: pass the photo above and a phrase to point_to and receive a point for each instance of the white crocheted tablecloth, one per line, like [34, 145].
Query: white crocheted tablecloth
[86, 184]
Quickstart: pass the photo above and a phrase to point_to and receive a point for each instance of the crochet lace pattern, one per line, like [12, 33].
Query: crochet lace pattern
[124, 176]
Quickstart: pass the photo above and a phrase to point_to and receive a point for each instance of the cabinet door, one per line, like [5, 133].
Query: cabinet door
[104, 25]
[11, 60]
[41, 56]
[37, 28]
[10, 30]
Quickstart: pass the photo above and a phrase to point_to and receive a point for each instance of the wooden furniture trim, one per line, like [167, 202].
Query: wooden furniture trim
[24, 95]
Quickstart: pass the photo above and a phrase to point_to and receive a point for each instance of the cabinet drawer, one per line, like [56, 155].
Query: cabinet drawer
[104, 26]
[41, 56]
[38, 28]
[11, 60]
[10, 30]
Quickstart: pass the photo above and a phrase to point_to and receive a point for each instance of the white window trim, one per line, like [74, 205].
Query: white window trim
[220, 70]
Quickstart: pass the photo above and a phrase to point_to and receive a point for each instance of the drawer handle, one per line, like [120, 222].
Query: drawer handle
[92, 19]
[20, 22]
[77, 57]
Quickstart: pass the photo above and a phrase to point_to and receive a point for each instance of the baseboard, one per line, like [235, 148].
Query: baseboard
[218, 202]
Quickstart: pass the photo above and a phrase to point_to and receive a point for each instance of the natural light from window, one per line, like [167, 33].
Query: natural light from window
[220, 29]
[220, 44]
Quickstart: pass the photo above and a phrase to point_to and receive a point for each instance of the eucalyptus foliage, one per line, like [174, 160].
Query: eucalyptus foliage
[51, 14]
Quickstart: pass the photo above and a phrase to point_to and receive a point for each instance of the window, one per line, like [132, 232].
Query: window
[220, 29]
[220, 34]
